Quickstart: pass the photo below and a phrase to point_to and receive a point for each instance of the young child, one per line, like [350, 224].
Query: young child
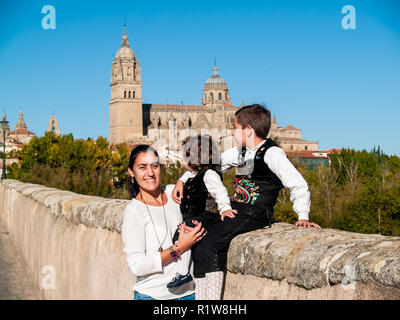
[262, 170]
[204, 194]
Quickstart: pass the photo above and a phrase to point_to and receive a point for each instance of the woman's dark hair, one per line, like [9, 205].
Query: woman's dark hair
[256, 116]
[201, 152]
[133, 186]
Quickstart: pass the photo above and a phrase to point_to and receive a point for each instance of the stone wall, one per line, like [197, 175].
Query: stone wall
[77, 240]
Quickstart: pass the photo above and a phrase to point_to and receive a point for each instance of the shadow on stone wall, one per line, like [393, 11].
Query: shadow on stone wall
[73, 242]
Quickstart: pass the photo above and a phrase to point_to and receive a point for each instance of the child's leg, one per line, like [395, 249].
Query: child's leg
[214, 281]
[201, 288]
[211, 252]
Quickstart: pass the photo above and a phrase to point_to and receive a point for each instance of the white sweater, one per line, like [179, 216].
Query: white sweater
[141, 247]
[279, 164]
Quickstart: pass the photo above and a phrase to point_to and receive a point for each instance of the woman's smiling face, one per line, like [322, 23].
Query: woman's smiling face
[147, 171]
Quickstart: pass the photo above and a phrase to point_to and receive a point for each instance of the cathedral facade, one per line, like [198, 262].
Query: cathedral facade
[165, 126]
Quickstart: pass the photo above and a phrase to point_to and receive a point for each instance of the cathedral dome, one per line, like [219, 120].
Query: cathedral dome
[215, 79]
[21, 123]
[125, 51]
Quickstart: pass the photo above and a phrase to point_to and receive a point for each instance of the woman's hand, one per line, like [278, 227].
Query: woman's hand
[228, 213]
[189, 236]
[306, 224]
[177, 192]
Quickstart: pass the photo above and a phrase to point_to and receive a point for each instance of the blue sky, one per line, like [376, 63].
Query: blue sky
[340, 87]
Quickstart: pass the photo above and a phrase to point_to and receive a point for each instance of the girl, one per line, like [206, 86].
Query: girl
[201, 158]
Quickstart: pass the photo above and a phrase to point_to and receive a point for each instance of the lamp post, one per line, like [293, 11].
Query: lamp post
[4, 125]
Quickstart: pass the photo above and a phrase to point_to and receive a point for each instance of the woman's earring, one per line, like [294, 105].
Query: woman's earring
[133, 179]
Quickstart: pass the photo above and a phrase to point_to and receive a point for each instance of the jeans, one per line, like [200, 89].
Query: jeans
[140, 296]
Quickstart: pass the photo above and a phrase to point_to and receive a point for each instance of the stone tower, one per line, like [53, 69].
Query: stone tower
[21, 123]
[126, 120]
[53, 126]
[215, 97]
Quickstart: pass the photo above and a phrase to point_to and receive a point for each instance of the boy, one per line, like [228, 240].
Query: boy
[262, 170]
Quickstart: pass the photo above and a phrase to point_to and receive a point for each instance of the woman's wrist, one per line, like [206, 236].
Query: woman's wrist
[180, 247]
[175, 255]
[177, 248]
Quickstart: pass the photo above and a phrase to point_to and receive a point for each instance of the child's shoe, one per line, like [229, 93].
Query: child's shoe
[179, 280]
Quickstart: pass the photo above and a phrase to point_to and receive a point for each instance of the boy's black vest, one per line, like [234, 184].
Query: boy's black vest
[256, 187]
[197, 203]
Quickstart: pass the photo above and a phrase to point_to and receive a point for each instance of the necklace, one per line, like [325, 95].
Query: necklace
[165, 220]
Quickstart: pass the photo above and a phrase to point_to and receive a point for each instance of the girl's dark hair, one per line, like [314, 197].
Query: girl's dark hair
[133, 187]
[201, 152]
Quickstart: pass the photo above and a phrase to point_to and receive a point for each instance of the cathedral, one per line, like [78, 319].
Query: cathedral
[16, 138]
[165, 126]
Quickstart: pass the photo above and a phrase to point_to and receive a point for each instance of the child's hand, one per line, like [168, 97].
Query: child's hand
[177, 192]
[306, 224]
[228, 213]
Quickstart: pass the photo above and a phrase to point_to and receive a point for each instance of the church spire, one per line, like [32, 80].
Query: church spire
[125, 42]
[215, 72]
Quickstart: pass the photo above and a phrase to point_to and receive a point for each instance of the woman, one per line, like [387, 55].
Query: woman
[149, 222]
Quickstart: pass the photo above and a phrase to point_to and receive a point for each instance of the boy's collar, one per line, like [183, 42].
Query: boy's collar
[256, 147]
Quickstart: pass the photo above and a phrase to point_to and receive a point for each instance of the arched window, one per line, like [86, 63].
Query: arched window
[291, 147]
[219, 96]
[129, 94]
[205, 96]
[133, 94]
[124, 94]
[212, 96]
[226, 96]
[305, 148]
[190, 122]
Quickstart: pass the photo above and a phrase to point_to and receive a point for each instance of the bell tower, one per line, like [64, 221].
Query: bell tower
[215, 96]
[126, 120]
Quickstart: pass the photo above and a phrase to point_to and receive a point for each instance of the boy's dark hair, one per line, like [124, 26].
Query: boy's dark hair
[201, 152]
[255, 116]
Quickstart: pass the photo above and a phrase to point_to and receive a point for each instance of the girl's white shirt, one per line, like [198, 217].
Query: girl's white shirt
[141, 247]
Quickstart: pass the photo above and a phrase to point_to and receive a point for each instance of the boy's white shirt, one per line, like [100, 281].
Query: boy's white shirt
[279, 164]
[215, 187]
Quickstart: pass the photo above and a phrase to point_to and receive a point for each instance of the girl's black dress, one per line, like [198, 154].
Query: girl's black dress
[198, 204]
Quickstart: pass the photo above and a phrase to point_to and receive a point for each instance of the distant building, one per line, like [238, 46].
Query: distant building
[289, 138]
[15, 139]
[133, 122]
[310, 159]
[18, 137]
[53, 126]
